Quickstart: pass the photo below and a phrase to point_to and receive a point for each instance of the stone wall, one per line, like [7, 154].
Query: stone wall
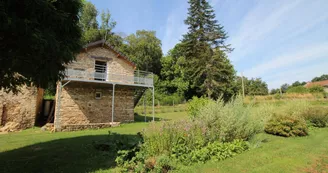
[78, 105]
[116, 67]
[20, 108]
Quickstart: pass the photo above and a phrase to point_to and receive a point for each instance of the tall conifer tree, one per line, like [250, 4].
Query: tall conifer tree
[209, 70]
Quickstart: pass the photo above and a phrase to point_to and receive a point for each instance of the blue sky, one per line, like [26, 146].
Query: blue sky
[280, 41]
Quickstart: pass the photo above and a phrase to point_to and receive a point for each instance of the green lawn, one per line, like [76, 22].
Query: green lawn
[35, 151]
[277, 154]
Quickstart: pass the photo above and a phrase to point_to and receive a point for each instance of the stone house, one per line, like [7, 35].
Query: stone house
[98, 90]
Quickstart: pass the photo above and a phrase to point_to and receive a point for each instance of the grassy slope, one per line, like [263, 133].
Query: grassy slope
[278, 154]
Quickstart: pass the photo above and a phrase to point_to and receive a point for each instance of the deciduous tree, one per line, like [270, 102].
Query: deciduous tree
[37, 38]
[144, 49]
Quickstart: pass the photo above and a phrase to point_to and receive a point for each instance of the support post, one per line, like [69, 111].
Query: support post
[144, 108]
[242, 83]
[113, 100]
[153, 103]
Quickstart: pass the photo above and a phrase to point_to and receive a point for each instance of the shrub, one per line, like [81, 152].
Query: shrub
[277, 96]
[316, 89]
[213, 150]
[284, 124]
[164, 164]
[297, 89]
[294, 107]
[161, 139]
[228, 121]
[195, 105]
[316, 116]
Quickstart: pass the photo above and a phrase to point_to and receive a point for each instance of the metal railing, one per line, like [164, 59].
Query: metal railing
[138, 77]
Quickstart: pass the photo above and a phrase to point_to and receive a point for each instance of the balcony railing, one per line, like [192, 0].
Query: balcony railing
[139, 77]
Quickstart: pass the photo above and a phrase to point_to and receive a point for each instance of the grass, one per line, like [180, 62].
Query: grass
[277, 154]
[161, 109]
[35, 151]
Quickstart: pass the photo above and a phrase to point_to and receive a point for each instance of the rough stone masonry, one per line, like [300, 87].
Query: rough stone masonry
[19, 109]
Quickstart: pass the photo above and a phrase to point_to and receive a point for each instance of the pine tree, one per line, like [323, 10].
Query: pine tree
[209, 70]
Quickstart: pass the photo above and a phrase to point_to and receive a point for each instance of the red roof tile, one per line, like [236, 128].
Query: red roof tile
[323, 83]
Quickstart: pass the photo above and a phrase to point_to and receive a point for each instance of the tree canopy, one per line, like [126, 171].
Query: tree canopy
[145, 50]
[320, 78]
[92, 31]
[37, 39]
[253, 86]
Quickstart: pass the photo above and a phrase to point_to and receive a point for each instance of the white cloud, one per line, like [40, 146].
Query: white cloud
[174, 28]
[302, 55]
[276, 21]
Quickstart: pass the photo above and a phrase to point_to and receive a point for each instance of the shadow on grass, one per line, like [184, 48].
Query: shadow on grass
[141, 118]
[74, 155]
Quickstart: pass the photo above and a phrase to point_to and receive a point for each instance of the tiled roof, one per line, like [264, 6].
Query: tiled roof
[323, 83]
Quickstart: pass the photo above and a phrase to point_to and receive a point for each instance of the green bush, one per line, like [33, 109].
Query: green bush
[277, 96]
[316, 89]
[181, 153]
[195, 105]
[297, 89]
[287, 125]
[212, 151]
[164, 164]
[161, 139]
[228, 121]
[316, 116]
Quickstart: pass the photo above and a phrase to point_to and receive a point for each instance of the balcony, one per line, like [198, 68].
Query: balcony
[138, 78]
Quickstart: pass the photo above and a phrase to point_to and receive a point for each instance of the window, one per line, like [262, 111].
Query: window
[98, 95]
[100, 70]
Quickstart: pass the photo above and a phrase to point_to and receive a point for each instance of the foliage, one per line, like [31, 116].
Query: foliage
[212, 151]
[182, 142]
[208, 69]
[164, 164]
[320, 78]
[90, 27]
[37, 40]
[228, 121]
[253, 86]
[275, 91]
[173, 72]
[161, 139]
[316, 117]
[284, 87]
[50, 91]
[316, 89]
[287, 125]
[297, 89]
[88, 19]
[125, 147]
[297, 83]
[276, 154]
[144, 49]
[195, 105]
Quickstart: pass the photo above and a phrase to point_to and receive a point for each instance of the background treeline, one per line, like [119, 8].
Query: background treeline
[196, 66]
[299, 87]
